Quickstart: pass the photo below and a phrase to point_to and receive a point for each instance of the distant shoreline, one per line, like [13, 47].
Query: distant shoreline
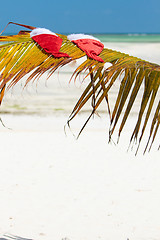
[122, 37]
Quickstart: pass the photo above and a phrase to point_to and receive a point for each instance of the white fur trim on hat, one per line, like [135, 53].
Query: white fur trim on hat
[38, 31]
[78, 36]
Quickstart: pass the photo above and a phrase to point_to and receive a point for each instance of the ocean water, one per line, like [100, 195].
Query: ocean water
[129, 38]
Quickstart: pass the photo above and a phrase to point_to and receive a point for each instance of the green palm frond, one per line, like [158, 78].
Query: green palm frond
[20, 55]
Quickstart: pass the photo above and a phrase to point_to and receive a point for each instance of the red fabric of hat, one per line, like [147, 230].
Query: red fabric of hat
[89, 44]
[51, 43]
[91, 47]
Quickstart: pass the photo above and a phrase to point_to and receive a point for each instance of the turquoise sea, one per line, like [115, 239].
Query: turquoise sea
[154, 38]
[124, 37]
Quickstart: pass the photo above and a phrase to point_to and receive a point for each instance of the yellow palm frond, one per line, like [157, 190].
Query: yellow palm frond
[20, 55]
[135, 73]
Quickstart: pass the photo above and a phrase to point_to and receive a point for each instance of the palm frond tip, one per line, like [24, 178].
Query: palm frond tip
[21, 55]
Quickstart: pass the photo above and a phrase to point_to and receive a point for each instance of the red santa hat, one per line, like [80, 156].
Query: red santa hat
[89, 44]
[49, 41]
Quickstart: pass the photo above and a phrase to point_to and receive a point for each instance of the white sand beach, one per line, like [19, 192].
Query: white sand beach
[53, 186]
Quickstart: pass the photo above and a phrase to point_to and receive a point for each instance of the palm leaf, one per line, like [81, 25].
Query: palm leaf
[135, 73]
[20, 55]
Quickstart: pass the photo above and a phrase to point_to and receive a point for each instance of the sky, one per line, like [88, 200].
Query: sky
[83, 16]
